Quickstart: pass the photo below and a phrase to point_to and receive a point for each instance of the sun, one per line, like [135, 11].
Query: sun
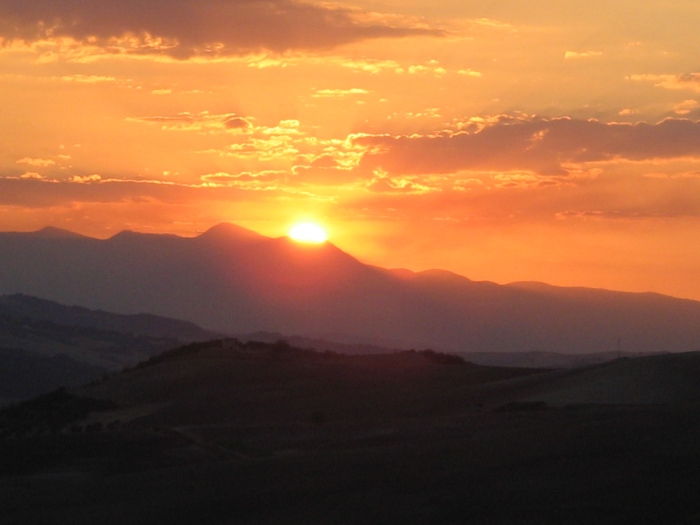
[308, 232]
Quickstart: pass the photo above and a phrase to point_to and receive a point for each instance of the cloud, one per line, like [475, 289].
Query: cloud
[186, 121]
[88, 79]
[237, 123]
[469, 73]
[685, 107]
[186, 28]
[42, 193]
[316, 174]
[180, 117]
[582, 54]
[522, 180]
[609, 197]
[85, 179]
[544, 146]
[331, 93]
[430, 67]
[371, 66]
[37, 162]
[688, 81]
[399, 185]
[263, 180]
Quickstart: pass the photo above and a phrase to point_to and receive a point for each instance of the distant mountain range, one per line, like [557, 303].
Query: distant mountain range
[233, 280]
[533, 359]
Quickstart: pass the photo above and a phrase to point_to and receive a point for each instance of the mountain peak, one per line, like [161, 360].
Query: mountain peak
[50, 232]
[323, 250]
[227, 230]
[131, 236]
[123, 234]
[127, 235]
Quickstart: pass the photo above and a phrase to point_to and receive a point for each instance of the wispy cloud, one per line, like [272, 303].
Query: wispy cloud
[36, 162]
[688, 81]
[88, 79]
[582, 54]
[332, 93]
[204, 121]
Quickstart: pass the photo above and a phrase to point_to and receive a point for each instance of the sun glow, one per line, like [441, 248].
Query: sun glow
[308, 232]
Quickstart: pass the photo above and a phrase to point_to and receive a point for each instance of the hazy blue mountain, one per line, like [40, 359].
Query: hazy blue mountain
[358, 346]
[44, 345]
[19, 305]
[233, 280]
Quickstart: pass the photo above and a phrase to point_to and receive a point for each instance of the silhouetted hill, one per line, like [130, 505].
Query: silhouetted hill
[49, 232]
[236, 281]
[230, 432]
[649, 380]
[226, 232]
[359, 346]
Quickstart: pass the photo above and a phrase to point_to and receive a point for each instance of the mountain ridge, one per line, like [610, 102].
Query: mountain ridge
[20, 305]
[232, 280]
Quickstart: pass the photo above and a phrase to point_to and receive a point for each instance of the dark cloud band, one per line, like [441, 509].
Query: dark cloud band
[542, 145]
[184, 28]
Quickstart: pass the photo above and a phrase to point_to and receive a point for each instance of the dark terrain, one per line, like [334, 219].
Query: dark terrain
[265, 433]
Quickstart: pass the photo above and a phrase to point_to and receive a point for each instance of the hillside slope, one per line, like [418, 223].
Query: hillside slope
[219, 433]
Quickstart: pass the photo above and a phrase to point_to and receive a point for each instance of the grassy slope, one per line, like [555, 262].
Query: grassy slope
[272, 435]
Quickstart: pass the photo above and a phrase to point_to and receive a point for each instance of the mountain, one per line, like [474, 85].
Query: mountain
[233, 280]
[24, 306]
[44, 345]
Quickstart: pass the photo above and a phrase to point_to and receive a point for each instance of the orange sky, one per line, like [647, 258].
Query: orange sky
[503, 140]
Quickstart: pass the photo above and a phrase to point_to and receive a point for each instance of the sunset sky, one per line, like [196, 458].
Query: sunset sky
[503, 140]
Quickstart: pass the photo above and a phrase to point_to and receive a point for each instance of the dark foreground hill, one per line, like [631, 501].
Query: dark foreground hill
[259, 433]
[236, 281]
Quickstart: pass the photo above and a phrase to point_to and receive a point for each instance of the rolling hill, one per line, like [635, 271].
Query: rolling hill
[221, 432]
